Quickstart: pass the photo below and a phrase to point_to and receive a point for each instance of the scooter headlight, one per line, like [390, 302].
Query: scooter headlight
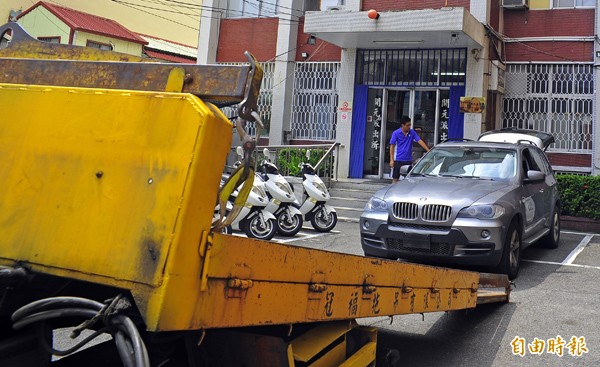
[285, 187]
[259, 190]
[320, 186]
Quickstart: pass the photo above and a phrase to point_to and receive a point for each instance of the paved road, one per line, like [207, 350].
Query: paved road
[556, 293]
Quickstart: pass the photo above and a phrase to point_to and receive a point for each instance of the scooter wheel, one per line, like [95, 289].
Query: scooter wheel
[322, 222]
[259, 229]
[286, 226]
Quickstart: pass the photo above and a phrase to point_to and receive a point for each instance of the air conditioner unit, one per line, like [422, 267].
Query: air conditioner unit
[497, 78]
[515, 4]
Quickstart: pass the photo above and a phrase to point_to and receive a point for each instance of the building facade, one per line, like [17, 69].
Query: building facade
[338, 74]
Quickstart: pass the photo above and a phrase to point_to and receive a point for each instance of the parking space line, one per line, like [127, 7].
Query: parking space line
[573, 255]
[302, 238]
[574, 232]
[561, 264]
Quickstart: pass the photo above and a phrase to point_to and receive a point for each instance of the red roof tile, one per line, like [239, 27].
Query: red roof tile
[78, 20]
[169, 58]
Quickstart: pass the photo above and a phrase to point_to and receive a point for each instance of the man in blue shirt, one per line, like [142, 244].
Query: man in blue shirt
[402, 139]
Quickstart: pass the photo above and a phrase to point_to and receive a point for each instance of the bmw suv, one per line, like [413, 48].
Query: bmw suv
[470, 202]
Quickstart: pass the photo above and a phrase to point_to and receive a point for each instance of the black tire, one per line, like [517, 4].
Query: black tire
[552, 239]
[511, 252]
[288, 227]
[254, 228]
[321, 223]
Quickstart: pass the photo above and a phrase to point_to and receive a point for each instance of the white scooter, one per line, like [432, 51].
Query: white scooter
[314, 207]
[288, 218]
[253, 219]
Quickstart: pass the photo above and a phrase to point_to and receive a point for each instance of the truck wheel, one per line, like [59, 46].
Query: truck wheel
[322, 222]
[552, 239]
[511, 252]
[259, 228]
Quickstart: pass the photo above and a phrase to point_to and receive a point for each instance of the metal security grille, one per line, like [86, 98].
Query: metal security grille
[555, 98]
[412, 68]
[436, 213]
[405, 210]
[315, 99]
[264, 100]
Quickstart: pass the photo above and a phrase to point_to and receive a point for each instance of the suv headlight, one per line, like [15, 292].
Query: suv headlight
[492, 211]
[376, 205]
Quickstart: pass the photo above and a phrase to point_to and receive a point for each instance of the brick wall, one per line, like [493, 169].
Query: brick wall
[544, 23]
[570, 159]
[257, 35]
[390, 5]
[550, 51]
[549, 23]
[327, 52]
[495, 14]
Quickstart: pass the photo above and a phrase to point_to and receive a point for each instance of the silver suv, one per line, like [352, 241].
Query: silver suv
[470, 202]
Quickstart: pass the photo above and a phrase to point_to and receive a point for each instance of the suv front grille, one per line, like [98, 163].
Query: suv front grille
[436, 213]
[436, 248]
[424, 227]
[405, 210]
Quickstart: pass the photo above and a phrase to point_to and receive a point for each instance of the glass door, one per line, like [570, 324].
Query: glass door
[398, 105]
[424, 119]
[385, 108]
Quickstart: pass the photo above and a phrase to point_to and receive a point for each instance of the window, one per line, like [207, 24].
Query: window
[414, 68]
[573, 3]
[541, 161]
[50, 39]
[98, 45]
[469, 162]
[554, 98]
[252, 8]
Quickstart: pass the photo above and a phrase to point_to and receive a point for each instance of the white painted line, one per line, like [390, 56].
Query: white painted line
[579, 233]
[349, 199]
[345, 219]
[561, 264]
[310, 230]
[301, 238]
[349, 209]
[573, 255]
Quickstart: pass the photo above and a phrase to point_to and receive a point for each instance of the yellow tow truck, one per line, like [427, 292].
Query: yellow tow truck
[109, 174]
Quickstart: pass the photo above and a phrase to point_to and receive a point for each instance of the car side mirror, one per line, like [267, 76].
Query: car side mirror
[404, 170]
[267, 154]
[535, 176]
[239, 151]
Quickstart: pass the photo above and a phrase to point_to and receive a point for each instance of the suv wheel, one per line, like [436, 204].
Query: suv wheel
[511, 252]
[552, 239]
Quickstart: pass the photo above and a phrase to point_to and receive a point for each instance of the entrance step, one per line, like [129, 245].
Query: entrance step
[349, 197]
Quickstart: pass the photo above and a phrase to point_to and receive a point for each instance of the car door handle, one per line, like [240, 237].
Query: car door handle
[541, 190]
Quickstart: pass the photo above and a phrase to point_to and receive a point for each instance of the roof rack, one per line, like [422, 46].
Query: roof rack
[522, 141]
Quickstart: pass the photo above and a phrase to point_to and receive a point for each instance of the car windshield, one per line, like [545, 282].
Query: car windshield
[468, 162]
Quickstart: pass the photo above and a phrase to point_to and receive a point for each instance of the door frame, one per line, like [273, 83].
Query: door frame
[411, 114]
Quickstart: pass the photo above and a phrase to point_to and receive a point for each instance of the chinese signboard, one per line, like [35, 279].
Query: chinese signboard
[376, 136]
[444, 116]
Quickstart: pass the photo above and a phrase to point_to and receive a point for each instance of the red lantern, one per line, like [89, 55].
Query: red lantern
[373, 14]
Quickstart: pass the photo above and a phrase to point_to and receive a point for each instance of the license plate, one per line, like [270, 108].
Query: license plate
[420, 241]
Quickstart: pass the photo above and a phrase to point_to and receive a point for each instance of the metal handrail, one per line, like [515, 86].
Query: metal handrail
[328, 158]
[333, 146]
